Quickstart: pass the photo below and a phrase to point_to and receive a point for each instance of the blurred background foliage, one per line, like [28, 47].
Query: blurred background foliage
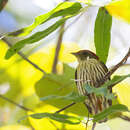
[21, 82]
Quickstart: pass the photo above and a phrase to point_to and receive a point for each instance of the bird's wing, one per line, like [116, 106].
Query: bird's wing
[104, 66]
[76, 76]
[109, 87]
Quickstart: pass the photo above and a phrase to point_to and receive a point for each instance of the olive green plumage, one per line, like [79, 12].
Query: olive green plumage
[91, 70]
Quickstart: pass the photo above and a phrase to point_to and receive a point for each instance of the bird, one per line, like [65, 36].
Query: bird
[91, 70]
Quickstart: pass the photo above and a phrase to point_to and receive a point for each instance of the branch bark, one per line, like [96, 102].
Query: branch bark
[59, 42]
[65, 107]
[124, 117]
[111, 71]
[24, 57]
[16, 104]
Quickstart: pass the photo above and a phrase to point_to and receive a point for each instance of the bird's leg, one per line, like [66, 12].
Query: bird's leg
[64, 108]
[87, 121]
[94, 125]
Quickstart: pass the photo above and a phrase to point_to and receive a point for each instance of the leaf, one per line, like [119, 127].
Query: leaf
[57, 117]
[63, 9]
[120, 9]
[115, 80]
[103, 90]
[2, 4]
[35, 37]
[66, 9]
[99, 91]
[14, 127]
[102, 34]
[60, 85]
[112, 109]
[71, 97]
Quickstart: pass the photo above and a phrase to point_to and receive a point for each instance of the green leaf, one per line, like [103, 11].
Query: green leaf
[57, 117]
[63, 9]
[102, 34]
[71, 97]
[115, 80]
[35, 37]
[109, 111]
[60, 85]
[103, 90]
[66, 9]
[99, 91]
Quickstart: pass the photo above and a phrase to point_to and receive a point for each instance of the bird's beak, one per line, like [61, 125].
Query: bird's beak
[74, 53]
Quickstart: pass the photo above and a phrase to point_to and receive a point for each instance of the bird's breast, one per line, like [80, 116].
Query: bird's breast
[91, 72]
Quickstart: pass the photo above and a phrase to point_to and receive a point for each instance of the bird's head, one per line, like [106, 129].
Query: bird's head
[84, 55]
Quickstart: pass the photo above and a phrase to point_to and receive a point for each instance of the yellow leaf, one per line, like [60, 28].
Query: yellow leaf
[123, 89]
[123, 92]
[30, 75]
[3, 62]
[15, 127]
[44, 59]
[120, 9]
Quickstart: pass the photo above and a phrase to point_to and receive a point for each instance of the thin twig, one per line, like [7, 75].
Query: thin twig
[14, 103]
[65, 107]
[9, 44]
[123, 61]
[124, 117]
[74, 21]
[110, 72]
[59, 42]
[24, 57]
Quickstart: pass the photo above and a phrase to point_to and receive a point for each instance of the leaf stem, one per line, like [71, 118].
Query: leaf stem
[24, 57]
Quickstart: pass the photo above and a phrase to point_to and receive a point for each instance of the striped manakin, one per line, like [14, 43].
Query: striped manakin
[91, 71]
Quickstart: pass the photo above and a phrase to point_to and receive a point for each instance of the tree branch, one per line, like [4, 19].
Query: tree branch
[122, 62]
[59, 42]
[14, 103]
[124, 117]
[73, 22]
[24, 57]
[65, 107]
[111, 71]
